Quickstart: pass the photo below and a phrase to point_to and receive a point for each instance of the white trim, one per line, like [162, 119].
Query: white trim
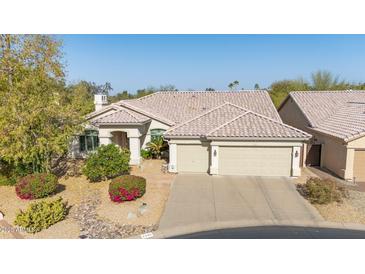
[214, 167]
[295, 167]
[172, 158]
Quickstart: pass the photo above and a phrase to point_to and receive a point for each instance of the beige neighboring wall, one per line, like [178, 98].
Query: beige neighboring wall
[333, 154]
[291, 114]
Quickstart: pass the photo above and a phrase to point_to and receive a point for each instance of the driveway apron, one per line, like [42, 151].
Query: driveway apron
[200, 198]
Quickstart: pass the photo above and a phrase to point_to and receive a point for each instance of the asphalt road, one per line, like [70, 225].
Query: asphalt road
[276, 232]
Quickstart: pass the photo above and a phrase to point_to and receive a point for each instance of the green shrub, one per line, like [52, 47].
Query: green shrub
[41, 215]
[127, 188]
[109, 161]
[10, 172]
[6, 181]
[35, 186]
[324, 191]
[146, 154]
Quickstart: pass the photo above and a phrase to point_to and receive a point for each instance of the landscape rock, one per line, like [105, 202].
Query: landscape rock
[94, 227]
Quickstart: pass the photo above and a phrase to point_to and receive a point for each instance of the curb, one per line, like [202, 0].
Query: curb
[202, 227]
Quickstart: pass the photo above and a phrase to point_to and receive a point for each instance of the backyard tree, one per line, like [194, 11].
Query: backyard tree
[38, 115]
[233, 85]
[325, 80]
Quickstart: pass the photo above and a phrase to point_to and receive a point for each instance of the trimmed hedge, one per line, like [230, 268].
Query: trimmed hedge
[35, 186]
[324, 191]
[127, 188]
[109, 161]
[41, 215]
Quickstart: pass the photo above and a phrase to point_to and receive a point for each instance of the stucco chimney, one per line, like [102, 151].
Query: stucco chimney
[100, 101]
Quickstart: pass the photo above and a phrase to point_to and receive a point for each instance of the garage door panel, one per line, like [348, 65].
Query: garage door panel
[359, 165]
[255, 161]
[193, 158]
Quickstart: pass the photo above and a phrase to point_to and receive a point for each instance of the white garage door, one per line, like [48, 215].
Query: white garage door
[192, 158]
[255, 161]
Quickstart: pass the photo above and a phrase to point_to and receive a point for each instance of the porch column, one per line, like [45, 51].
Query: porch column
[105, 137]
[135, 149]
[295, 169]
[214, 160]
[173, 158]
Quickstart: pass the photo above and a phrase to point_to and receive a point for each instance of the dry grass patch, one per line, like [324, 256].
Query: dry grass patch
[341, 213]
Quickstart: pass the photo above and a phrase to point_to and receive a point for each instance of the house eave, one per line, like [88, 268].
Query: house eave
[122, 124]
[258, 138]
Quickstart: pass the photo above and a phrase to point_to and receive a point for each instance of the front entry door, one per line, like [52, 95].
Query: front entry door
[314, 156]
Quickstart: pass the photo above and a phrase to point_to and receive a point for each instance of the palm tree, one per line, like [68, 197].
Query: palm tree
[157, 146]
[233, 85]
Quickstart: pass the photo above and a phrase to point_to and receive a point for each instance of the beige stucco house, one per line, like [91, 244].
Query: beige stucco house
[336, 119]
[215, 132]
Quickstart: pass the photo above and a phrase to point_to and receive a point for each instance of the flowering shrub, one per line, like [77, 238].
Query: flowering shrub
[35, 186]
[41, 215]
[127, 188]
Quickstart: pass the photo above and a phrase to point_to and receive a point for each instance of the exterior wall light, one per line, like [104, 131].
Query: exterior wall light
[296, 154]
[215, 153]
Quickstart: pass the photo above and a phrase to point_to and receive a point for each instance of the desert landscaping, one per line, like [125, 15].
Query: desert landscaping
[91, 212]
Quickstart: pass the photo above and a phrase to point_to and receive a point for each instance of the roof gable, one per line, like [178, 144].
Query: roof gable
[230, 120]
[203, 123]
[122, 116]
[253, 125]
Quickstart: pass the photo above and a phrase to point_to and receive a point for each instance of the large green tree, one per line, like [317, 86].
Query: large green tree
[38, 115]
[280, 89]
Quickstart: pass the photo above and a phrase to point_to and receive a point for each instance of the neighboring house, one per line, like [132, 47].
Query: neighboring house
[336, 119]
[218, 132]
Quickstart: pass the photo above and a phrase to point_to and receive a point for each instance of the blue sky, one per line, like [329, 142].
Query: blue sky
[131, 62]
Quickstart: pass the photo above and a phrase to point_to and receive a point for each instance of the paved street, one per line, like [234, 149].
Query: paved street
[277, 232]
[201, 199]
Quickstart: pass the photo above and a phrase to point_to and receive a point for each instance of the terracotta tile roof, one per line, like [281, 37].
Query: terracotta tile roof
[229, 120]
[253, 125]
[337, 113]
[122, 116]
[200, 125]
[179, 106]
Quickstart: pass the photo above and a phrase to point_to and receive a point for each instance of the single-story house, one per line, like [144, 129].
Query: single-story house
[215, 132]
[336, 120]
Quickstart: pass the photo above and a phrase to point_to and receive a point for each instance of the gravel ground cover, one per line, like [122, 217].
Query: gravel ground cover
[352, 210]
[92, 214]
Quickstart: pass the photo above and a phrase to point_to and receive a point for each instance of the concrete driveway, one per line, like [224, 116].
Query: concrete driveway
[200, 200]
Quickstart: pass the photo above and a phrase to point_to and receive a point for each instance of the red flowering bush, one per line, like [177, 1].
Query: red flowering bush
[127, 188]
[35, 186]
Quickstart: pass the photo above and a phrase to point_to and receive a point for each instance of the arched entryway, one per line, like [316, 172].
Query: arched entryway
[120, 138]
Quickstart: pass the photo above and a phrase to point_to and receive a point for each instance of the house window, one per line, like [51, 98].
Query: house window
[89, 141]
[156, 133]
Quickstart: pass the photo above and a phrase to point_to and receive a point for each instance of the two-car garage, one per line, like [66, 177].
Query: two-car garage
[235, 160]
